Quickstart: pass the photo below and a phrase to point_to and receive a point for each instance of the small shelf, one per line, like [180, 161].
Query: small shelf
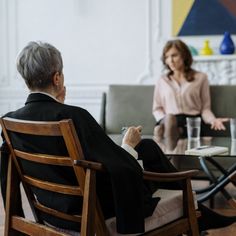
[214, 58]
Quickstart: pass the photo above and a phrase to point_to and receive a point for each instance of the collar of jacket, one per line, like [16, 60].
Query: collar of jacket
[39, 97]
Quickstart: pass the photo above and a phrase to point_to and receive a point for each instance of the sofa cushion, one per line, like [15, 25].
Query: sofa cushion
[127, 106]
[223, 104]
[223, 100]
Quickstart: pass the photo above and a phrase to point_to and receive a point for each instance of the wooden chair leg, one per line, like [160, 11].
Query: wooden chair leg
[191, 212]
[12, 204]
[89, 204]
[100, 225]
[90, 209]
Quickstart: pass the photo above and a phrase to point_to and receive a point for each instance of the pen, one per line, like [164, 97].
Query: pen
[123, 130]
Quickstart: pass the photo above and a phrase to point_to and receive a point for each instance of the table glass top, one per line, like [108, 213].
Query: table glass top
[179, 146]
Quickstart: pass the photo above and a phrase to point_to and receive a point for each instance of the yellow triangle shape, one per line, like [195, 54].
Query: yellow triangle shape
[180, 10]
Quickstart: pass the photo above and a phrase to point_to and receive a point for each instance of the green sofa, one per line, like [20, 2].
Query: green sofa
[126, 105]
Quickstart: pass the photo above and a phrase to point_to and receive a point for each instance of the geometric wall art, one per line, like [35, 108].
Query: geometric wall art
[203, 17]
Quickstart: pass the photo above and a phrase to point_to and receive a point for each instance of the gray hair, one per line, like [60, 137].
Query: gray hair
[37, 63]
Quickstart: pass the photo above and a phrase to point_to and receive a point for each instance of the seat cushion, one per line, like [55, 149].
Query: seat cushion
[168, 209]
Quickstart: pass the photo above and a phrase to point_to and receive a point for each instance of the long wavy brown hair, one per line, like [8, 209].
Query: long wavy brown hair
[185, 54]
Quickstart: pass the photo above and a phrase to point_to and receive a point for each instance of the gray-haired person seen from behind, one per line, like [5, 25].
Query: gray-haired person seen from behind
[40, 65]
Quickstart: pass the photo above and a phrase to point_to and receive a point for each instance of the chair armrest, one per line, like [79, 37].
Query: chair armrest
[90, 165]
[169, 177]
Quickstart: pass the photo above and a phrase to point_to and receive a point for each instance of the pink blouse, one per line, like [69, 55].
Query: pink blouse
[191, 98]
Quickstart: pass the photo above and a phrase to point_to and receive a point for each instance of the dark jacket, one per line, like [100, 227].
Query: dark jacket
[122, 193]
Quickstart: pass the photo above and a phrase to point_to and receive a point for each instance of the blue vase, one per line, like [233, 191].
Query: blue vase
[227, 45]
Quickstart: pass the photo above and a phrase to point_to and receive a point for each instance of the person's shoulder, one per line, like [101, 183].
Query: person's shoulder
[76, 111]
[162, 78]
[13, 114]
[200, 75]
[8, 114]
[73, 108]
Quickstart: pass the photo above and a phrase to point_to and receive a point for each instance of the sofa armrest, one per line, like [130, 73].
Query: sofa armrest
[102, 118]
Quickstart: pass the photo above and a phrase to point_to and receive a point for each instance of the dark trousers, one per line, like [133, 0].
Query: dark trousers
[156, 161]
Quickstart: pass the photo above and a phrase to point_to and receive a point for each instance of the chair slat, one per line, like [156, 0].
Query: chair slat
[59, 188]
[40, 128]
[44, 159]
[32, 228]
[75, 218]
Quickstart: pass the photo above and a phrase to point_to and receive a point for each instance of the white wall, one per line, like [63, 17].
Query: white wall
[102, 42]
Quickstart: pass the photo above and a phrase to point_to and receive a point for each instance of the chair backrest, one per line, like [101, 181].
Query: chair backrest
[91, 218]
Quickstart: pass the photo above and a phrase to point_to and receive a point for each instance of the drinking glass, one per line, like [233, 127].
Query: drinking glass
[193, 127]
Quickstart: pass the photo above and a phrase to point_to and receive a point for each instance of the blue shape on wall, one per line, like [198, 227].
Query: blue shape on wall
[209, 17]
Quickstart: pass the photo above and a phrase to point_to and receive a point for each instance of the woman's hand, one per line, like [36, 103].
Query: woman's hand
[132, 136]
[217, 124]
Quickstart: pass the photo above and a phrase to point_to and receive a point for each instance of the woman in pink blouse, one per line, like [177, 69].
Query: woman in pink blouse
[182, 92]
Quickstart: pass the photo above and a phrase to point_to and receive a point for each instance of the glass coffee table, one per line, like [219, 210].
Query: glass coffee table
[175, 149]
[218, 169]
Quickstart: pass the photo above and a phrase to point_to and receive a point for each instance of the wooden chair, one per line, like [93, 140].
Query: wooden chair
[91, 218]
